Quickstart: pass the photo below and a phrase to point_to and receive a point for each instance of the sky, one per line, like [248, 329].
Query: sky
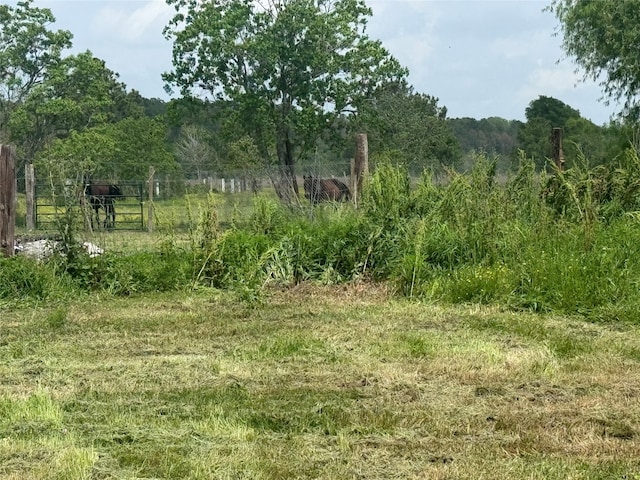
[480, 58]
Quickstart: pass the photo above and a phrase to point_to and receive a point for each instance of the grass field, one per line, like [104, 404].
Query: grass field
[316, 382]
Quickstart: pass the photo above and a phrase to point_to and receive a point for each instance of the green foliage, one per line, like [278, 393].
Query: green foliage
[387, 196]
[122, 150]
[568, 243]
[168, 269]
[79, 92]
[552, 110]
[289, 69]
[401, 120]
[28, 50]
[494, 135]
[544, 114]
[602, 36]
[140, 143]
[24, 281]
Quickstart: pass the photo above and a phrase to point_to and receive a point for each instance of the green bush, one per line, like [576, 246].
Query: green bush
[569, 245]
[24, 280]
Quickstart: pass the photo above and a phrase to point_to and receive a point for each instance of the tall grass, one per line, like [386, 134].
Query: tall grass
[568, 243]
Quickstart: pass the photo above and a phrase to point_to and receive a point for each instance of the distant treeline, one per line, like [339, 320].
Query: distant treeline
[583, 140]
[492, 135]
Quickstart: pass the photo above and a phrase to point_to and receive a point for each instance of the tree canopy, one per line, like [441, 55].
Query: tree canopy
[411, 124]
[290, 67]
[79, 92]
[603, 37]
[28, 49]
[581, 137]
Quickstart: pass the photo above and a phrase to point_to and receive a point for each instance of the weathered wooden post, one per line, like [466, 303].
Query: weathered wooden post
[360, 166]
[30, 191]
[150, 186]
[557, 154]
[7, 199]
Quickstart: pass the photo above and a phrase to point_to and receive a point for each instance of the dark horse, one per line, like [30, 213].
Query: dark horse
[103, 196]
[325, 189]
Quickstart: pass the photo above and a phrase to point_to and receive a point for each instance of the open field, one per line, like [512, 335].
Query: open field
[316, 382]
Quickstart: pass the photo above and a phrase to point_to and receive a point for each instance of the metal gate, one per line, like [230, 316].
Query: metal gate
[50, 203]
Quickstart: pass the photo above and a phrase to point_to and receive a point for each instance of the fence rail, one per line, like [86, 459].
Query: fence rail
[51, 202]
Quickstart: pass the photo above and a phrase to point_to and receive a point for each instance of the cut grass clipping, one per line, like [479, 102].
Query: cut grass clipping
[315, 382]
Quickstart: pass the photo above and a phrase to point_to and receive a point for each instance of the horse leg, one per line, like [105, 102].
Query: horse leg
[111, 215]
[107, 215]
[95, 216]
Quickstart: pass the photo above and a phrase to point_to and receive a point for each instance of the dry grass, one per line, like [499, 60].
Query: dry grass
[319, 382]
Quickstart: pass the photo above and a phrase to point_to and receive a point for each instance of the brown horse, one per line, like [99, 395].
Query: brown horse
[103, 196]
[325, 189]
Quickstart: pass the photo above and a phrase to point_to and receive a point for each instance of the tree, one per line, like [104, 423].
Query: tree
[544, 114]
[493, 135]
[603, 37]
[289, 67]
[79, 92]
[141, 143]
[117, 151]
[80, 154]
[28, 49]
[555, 112]
[412, 124]
[193, 150]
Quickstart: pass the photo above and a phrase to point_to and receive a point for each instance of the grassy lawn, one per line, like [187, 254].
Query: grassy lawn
[318, 382]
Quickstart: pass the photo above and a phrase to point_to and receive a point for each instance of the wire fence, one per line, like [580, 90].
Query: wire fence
[133, 210]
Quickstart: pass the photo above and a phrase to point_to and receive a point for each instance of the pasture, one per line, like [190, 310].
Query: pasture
[470, 330]
[317, 382]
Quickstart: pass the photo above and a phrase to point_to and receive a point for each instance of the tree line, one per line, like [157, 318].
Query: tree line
[286, 85]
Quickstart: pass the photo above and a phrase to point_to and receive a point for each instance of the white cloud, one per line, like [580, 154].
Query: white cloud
[550, 81]
[120, 21]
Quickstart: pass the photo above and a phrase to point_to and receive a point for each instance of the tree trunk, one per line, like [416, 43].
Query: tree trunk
[286, 186]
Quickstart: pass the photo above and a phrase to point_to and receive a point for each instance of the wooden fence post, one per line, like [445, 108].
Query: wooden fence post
[150, 186]
[360, 168]
[556, 148]
[7, 199]
[30, 191]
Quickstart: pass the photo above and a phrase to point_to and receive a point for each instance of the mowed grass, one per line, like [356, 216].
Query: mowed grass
[316, 382]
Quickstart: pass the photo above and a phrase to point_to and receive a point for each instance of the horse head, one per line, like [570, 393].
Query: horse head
[115, 191]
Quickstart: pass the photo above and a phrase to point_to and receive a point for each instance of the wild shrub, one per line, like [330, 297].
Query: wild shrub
[325, 248]
[523, 193]
[386, 198]
[268, 215]
[236, 258]
[24, 280]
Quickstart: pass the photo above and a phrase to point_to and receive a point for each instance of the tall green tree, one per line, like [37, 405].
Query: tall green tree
[121, 151]
[79, 92]
[411, 124]
[289, 67]
[28, 50]
[543, 114]
[603, 37]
